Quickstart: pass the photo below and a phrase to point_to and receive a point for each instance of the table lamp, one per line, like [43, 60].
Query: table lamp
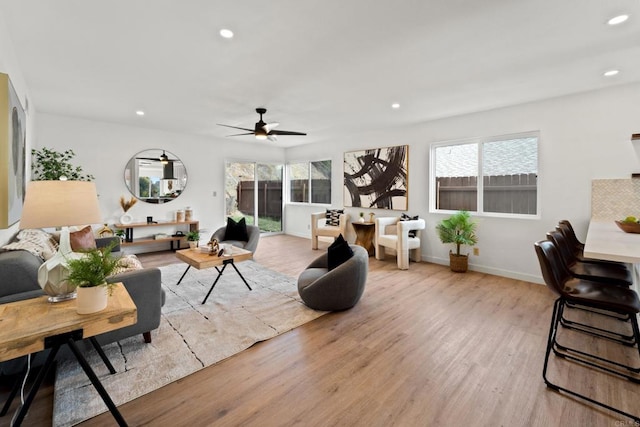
[59, 204]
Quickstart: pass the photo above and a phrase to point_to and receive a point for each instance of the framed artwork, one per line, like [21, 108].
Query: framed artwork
[12, 146]
[377, 178]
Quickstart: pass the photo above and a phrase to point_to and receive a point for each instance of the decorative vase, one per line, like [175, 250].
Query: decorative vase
[361, 219]
[125, 218]
[458, 263]
[91, 299]
[193, 245]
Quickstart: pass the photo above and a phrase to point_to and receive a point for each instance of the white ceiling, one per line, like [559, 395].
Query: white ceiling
[323, 67]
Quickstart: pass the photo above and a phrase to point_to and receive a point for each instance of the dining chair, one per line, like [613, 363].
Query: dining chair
[601, 296]
[565, 227]
[616, 274]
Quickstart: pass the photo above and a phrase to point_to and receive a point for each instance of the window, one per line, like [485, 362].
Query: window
[310, 181]
[487, 175]
[254, 191]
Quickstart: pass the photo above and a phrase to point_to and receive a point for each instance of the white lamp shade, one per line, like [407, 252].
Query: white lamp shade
[59, 204]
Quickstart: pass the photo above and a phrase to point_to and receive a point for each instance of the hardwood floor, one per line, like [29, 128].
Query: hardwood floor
[423, 347]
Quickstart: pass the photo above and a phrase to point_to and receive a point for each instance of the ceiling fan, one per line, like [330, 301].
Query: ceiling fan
[263, 130]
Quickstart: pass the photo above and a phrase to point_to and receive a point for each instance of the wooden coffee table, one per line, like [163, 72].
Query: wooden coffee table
[200, 260]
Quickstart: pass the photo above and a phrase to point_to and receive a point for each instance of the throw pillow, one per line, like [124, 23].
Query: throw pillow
[128, 263]
[236, 230]
[405, 217]
[333, 216]
[36, 241]
[338, 252]
[82, 239]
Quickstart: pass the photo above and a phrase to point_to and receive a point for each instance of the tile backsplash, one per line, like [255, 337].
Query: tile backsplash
[613, 199]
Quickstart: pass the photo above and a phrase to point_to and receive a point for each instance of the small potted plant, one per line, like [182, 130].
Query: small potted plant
[89, 273]
[120, 234]
[193, 237]
[361, 219]
[460, 230]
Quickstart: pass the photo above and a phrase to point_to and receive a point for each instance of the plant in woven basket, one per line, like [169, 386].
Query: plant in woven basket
[460, 230]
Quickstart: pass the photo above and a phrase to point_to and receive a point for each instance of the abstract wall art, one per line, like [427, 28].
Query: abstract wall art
[377, 178]
[12, 148]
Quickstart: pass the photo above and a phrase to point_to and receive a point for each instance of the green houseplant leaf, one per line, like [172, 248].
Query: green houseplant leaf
[93, 268]
[193, 236]
[458, 229]
[50, 165]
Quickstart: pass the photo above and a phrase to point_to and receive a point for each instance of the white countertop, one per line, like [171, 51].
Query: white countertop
[606, 241]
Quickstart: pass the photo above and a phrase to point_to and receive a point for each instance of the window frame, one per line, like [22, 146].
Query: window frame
[479, 142]
[309, 180]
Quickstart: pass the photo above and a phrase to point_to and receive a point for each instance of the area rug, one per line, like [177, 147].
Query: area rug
[191, 336]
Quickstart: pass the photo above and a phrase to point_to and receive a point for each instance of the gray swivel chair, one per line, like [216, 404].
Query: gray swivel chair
[338, 289]
[252, 231]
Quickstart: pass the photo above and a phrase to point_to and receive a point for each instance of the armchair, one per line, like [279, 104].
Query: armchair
[337, 289]
[319, 228]
[393, 233]
[252, 231]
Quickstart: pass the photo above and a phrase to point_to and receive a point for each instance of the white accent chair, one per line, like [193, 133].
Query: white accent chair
[393, 233]
[319, 227]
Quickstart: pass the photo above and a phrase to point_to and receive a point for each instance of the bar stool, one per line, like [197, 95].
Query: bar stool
[615, 274]
[565, 227]
[592, 294]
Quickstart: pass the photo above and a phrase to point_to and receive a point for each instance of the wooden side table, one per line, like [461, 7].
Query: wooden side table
[365, 232]
[33, 325]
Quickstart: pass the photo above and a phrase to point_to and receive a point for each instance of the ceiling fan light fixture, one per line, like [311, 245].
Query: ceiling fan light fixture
[163, 158]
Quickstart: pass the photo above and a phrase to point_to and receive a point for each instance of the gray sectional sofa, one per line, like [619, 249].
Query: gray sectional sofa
[18, 281]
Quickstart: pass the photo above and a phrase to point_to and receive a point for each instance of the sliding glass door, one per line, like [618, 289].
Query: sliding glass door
[254, 190]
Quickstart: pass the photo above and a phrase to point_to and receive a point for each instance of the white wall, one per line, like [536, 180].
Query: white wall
[103, 149]
[582, 137]
[9, 65]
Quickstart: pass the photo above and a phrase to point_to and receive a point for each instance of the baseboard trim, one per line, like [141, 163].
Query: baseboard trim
[490, 270]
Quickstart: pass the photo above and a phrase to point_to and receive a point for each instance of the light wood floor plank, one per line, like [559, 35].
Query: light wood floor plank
[424, 347]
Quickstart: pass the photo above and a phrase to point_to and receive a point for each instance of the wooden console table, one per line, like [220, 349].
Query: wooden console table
[130, 241]
[33, 325]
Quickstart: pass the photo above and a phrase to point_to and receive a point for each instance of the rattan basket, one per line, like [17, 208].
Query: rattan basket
[458, 263]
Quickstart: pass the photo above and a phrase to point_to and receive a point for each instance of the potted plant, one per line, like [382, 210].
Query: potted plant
[193, 237]
[361, 219]
[89, 273]
[48, 164]
[458, 229]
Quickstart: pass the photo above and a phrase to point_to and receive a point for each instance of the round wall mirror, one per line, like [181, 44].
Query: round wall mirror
[155, 176]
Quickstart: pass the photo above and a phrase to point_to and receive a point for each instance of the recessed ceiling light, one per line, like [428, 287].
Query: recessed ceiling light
[395, 105]
[610, 73]
[227, 34]
[140, 113]
[617, 19]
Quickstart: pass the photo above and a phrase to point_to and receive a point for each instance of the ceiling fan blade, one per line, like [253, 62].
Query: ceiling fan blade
[272, 138]
[269, 126]
[285, 132]
[240, 134]
[235, 127]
